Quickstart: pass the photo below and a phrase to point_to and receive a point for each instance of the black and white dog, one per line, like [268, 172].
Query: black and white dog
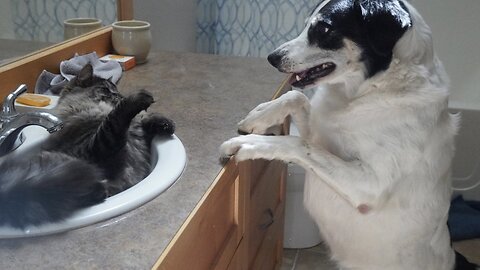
[376, 138]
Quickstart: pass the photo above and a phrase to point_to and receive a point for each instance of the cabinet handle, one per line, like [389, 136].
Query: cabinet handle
[270, 221]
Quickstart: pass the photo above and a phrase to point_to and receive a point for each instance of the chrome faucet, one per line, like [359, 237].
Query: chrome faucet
[12, 123]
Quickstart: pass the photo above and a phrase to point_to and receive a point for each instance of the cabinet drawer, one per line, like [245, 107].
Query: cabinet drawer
[239, 260]
[270, 253]
[256, 171]
[209, 238]
[265, 206]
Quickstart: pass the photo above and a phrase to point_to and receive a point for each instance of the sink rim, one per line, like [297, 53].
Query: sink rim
[167, 170]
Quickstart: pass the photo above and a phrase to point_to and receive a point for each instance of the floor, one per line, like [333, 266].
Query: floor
[316, 258]
[470, 249]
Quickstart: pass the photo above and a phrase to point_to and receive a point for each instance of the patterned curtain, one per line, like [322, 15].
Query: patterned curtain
[42, 20]
[249, 27]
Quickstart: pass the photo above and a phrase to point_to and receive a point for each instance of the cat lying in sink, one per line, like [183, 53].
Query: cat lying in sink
[103, 149]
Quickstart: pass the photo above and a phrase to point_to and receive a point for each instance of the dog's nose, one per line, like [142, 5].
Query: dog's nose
[275, 59]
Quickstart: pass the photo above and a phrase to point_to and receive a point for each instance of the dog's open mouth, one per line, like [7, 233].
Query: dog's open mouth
[309, 76]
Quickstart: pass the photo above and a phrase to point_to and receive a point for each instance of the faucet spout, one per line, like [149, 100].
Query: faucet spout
[10, 133]
[47, 120]
[8, 109]
[12, 123]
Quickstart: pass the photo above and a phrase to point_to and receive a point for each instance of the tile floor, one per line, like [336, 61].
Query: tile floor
[470, 249]
[316, 258]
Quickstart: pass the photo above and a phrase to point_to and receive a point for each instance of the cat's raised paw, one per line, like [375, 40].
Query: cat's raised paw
[143, 99]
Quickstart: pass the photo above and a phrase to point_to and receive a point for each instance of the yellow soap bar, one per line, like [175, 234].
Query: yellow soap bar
[33, 100]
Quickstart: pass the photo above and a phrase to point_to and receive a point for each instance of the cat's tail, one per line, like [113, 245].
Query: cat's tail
[46, 188]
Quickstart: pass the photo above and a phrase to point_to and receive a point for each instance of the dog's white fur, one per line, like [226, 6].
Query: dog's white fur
[377, 153]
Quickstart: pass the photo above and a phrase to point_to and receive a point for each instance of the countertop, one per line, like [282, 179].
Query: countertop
[206, 95]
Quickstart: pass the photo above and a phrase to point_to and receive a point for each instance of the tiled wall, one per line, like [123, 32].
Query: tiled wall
[42, 20]
[249, 27]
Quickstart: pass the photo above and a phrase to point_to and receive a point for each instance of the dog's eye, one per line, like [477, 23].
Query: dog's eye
[323, 28]
[324, 35]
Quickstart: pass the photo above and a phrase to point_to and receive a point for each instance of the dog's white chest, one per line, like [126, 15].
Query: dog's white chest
[325, 129]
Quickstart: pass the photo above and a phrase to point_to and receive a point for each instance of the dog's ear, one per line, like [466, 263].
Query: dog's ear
[383, 22]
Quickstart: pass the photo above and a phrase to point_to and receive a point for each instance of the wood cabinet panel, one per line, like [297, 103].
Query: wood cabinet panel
[210, 238]
[265, 211]
[264, 203]
[269, 254]
[255, 172]
[239, 259]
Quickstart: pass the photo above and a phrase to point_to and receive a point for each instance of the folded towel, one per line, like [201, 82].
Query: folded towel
[464, 219]
[51, 84]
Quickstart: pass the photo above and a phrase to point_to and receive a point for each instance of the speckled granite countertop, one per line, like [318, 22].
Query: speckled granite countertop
[206, 95]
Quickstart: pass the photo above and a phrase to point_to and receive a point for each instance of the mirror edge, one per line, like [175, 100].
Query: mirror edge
[27, 69]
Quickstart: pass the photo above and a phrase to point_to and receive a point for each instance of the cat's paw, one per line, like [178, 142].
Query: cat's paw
[96, 194]
[158, 125]
[99, 192]
[143, 99]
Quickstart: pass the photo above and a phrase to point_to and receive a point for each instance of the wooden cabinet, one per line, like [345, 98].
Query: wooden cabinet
[237, 225]
[210, 237]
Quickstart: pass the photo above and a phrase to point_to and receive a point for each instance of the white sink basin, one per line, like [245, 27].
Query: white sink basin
[168, 162]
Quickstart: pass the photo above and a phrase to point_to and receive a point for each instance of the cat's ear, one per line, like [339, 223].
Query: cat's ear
[86, 74]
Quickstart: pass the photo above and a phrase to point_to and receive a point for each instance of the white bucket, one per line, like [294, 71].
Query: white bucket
[300, 229]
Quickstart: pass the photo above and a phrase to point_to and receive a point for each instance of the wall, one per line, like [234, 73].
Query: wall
[455, 26]
[173, 22]
[456, 32]
[249, 27]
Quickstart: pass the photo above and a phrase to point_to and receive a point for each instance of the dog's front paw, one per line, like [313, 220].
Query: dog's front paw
[229, 148]
[246, 147]
[259, 121]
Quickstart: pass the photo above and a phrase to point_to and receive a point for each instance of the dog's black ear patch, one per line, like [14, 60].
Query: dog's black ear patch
[383, 22]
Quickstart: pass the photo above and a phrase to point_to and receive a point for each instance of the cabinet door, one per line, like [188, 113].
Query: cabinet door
[211, 235]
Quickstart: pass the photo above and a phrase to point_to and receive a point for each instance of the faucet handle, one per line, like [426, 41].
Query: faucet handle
[9, 102]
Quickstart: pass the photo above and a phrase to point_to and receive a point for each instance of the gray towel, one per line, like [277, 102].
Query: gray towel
[51, 84]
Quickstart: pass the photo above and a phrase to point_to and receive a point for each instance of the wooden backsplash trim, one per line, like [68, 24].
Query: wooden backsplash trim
[124, 10]
[27, 69]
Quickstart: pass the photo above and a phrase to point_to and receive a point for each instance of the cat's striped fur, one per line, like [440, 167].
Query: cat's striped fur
[103, 149]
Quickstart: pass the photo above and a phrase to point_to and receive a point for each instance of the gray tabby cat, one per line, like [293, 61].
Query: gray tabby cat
[103, 149]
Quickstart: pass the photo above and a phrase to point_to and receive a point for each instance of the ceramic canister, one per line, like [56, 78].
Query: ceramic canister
[79, 26]
[132, 38]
